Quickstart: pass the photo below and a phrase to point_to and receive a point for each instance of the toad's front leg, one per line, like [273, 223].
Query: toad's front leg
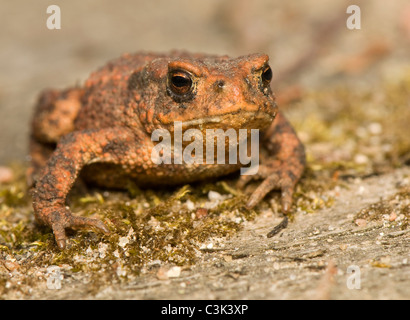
[285, 167]
[73, 152]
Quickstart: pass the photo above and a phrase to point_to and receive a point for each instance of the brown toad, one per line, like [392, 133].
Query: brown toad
[105, 128]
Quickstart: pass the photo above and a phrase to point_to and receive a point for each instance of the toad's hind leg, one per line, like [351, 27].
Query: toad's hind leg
[53, 118]
[39, 153]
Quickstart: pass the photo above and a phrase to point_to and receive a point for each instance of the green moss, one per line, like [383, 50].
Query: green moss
[146, 226]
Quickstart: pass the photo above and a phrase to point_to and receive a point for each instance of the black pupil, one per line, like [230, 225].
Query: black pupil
[179, 81]
[267, 74]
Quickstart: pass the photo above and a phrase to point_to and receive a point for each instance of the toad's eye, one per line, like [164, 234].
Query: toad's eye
[267, 75]
[180, 82]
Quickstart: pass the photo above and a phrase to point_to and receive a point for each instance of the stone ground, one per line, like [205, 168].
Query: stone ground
[346, 92]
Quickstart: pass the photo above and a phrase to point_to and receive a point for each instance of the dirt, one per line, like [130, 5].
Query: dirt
[345, 91]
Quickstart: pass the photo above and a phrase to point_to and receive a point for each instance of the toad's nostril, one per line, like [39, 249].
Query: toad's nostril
[219, 84]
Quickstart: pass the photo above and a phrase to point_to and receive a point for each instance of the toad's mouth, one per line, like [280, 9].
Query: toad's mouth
[237, 120]
[211, 130]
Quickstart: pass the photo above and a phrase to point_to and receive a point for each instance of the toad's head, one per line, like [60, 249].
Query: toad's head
[204, 92]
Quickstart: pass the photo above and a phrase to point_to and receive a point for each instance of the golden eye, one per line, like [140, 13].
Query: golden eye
[180, 82]
[266, 75]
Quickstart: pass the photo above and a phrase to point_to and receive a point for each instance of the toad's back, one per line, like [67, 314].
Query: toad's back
[106, 91]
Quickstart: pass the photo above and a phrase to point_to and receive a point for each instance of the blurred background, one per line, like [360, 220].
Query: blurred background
[308, 43]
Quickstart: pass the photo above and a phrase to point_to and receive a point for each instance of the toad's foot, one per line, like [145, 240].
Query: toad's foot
[60, 218]
[274, 178]
[279, 177]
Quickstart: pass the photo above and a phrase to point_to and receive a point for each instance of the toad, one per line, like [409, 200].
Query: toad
[104, 129]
